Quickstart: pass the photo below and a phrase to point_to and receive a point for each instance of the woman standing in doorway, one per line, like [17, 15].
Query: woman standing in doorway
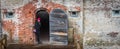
[37, 30]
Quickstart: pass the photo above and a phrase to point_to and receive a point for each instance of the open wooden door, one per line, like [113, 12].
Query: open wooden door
[58, 27]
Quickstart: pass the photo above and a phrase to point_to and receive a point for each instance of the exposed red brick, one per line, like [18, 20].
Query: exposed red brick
[77, 7]
[27, 18]
[27, 15]
[51, 5]
[9, 26]
[26, 35]
[44, 1]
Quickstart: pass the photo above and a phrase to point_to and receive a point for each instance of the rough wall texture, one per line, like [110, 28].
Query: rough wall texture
[101, 28]
[26, 18]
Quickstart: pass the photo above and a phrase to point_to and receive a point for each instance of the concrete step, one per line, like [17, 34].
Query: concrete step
[22, 46]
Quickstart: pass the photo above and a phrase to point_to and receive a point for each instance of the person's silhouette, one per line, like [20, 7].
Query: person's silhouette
[37, 30]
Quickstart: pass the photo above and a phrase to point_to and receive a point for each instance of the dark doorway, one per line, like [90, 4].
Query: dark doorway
[44, 29]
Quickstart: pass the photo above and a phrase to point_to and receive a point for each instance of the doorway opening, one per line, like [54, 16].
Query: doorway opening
[44, 28]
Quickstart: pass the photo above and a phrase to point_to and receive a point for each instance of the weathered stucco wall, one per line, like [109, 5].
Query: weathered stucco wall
[101, 28]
